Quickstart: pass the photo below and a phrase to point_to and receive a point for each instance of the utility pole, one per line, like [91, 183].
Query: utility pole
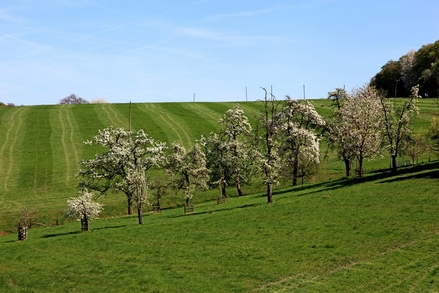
[304, 92]
[246, 97]
[130, 119]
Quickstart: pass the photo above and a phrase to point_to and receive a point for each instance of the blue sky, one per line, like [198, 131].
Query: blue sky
[165, 51]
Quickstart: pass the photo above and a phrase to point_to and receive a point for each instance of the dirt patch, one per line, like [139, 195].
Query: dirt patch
[3, 233]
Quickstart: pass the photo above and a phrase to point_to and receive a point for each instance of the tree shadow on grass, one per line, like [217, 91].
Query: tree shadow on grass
[79, 232]
[427, 170]
[215, 210]
[432, 174]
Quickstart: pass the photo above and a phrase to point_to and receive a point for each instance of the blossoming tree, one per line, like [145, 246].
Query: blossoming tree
[188, 169]
[123, 165]
[83, 208]
[396, 123]
[228, 154]
[298, 134]
[358, 127]
[337, 136]
[266, 131]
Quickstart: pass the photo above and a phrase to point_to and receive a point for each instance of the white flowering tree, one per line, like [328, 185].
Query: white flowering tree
[396, 122]
[138, 185]
[123, 164]
[236, 130]
[228, 155]
[337, 134]
[266, 131]
[358, 126]
[188, 169]
[298, 134]
[83, 208]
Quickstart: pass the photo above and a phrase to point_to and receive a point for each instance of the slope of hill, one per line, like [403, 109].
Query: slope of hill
[376, 234]
[40, 147]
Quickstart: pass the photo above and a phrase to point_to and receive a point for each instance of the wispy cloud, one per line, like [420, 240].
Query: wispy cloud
[246, 13]
[227, 38]
[9, 17]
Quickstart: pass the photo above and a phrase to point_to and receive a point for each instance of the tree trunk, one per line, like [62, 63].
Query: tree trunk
[223, 190]
[238, 187]
[130, 205]
[84, 223]
[360, 167]
[269, 192]
[139, 214]
[347, 164]
[295, 172]
[394, 164]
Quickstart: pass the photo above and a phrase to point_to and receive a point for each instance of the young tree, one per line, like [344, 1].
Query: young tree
[434, 134]
[267, 127]
[73, 99]
[358, 125]
[83, 208]
[121, 166]
[26, 221]
[159, 188]
[396, 122]
[414, 146]
[188, 168]
[137, 182]
[298, 135]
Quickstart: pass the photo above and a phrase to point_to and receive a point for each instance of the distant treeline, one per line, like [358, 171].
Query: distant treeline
[396, 78]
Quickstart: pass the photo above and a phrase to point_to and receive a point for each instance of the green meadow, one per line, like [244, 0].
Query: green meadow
[375, 234]
[332, 234]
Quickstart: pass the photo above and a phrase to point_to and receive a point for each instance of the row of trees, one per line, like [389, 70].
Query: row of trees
[2, 105]
[73, 99]
[283, 143]
[396, 78]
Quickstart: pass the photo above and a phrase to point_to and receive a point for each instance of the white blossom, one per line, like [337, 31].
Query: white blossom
[83, 208]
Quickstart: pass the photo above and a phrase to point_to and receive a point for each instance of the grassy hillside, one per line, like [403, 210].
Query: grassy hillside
[40, 147]
[376, 234]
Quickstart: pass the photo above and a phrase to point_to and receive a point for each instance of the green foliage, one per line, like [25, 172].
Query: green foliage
[374, 234]
[396, 78]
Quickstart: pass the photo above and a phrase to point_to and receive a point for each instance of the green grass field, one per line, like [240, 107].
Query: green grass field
[376, 234]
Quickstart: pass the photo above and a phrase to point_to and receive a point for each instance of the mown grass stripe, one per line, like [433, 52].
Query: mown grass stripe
[87, 119]
[188, 121]
[36, 160]
[13, 129]
[212, 117]
[124, 123]
[65, 143]
[144, 117]
[165, 117]
[110, 116]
